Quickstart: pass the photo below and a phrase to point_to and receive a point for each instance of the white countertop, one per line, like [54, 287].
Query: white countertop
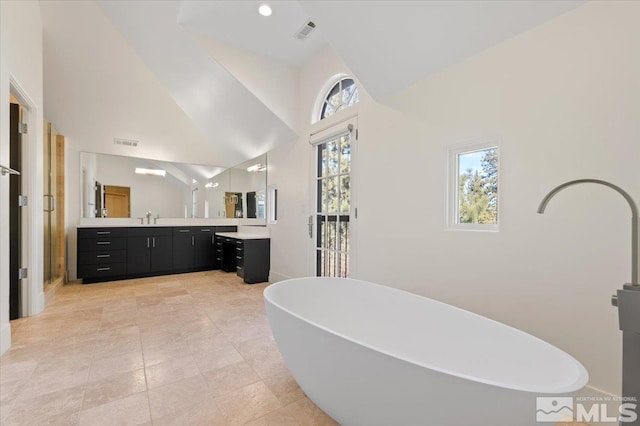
[135, 223]
[243, 235]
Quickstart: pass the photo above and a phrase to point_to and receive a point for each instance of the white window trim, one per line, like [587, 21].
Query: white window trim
[452, 194]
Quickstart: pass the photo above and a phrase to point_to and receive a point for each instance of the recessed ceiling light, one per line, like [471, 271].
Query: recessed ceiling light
[264, 10]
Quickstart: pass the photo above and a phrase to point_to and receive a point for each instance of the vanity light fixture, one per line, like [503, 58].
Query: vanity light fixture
[154, 172]
[264, 9]
[212, 185]
[257, 168]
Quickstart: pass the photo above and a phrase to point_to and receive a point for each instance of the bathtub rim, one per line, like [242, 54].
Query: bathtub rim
[579, 383]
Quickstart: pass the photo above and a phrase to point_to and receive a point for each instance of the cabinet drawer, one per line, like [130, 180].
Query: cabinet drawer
[99, 271]
[101, 232]
[102, 257]
[102, 244]
[183, 230]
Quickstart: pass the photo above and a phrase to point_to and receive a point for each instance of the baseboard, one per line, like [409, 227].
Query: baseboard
[51, 290]
[274, 277]
[5, 338]
[38, 305]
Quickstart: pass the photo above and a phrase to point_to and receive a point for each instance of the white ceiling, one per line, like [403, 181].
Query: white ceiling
[239, 24]
[224, 111]
[390, 45]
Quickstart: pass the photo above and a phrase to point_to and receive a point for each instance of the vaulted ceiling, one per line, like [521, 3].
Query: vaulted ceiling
[192, 48]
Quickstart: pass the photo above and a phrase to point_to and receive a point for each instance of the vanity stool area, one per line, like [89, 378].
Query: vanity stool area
[114, 253]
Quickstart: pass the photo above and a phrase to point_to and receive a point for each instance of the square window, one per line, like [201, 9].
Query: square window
[473, 187]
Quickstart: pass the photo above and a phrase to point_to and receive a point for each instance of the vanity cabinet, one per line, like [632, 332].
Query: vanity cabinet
[102, 253]
[110, 253]
[149, 250]
[248, 257]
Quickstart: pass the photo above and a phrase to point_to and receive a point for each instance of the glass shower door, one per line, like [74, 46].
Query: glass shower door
[53, 243]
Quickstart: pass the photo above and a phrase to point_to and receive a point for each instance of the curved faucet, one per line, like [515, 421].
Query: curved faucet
[626, 299]
[634, 217]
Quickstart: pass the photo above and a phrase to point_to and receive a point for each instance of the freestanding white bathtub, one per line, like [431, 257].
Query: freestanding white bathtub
[371, 355]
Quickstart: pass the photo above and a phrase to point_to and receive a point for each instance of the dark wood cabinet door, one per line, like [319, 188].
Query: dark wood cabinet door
[183, 252]
[161, 253]
[205, 251]
[138, 255]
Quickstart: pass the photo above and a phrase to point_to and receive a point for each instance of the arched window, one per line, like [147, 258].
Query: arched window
[343, 94]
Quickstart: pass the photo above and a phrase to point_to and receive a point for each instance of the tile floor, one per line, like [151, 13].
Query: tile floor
[192, 349]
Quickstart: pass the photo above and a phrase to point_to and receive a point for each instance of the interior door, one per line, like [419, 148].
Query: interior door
[15, 231]
[117, 201]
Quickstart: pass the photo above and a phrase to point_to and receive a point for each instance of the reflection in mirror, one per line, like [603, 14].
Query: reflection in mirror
[249, 185]
[118, 186]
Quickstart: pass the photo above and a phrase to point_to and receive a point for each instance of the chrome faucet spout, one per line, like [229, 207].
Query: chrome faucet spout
[635, 259]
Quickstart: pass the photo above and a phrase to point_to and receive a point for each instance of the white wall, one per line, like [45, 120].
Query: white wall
[276, 84]
[21, 60]
[563, 101]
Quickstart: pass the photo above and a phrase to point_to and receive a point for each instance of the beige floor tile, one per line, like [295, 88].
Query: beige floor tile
[132, 410]
[248, 403]
[217, 358]
[200, 342]
[267, 363]
[114, 365]
[171, 371]
[40, 410]
[253, 347]
[178, 396]
[113, 388]
[307, 413]
[227, 380]
[21, 370]
[206, 412]
[285, 388]
[164, 353]
[276, 418]
[55, 379]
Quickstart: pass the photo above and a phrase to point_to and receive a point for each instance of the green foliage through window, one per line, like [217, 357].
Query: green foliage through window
[478, 187]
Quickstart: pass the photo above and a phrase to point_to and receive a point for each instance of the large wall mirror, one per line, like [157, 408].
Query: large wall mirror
[113, 186]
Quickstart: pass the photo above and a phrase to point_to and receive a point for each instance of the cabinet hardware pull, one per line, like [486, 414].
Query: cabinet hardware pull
[103, 243]
[103, 269]
[205, 230]
[100, 256]
[147, 242]
[103, 232]
[183, 230]
[193, 240]
[238, 257]
[154, 242]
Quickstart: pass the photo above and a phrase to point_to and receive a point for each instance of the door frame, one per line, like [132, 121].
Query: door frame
[32, 216]
[322, 132]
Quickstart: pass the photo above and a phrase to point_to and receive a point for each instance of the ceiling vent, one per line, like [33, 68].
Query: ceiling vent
[125, 142]
[306, 29]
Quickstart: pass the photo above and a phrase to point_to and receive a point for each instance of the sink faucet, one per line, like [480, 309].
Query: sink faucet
[148, 217]
[627, 299]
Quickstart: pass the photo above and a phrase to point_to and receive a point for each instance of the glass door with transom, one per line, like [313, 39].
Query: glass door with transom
[333, 207]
